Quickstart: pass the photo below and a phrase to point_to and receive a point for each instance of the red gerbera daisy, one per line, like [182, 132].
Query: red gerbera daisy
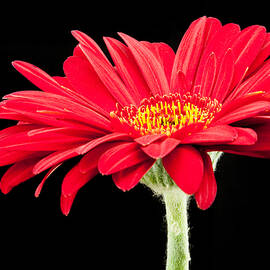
[150, 104]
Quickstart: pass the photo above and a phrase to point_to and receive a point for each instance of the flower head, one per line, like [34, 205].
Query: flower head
[149, 104]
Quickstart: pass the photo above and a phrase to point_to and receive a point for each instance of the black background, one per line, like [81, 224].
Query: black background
[108, 228]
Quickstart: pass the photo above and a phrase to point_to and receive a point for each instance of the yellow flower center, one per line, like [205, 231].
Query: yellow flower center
[169, 113]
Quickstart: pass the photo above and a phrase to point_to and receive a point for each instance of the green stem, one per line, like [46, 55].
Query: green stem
[176, 215]
[176, 204]
[177, 229]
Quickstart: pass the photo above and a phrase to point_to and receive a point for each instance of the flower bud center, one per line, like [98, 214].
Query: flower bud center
[169, 113]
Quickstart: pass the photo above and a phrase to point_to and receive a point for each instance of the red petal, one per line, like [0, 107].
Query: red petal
[8, 157]
[38, 77]
[90, 160]
[218, 45]
[13, 130]
[160, 149]
[164, 54]
[109, 77]
[239, 102]
[121, 157]
[185, 167]
[245, 111]
[262, 55]
[207, 78]
[63, 81]
[53, 159]
[73, 181]
[79, 98]
[90, 43]
[206, 193]
[180, 83]
[257, 120]
[224, 77]
[259, 81]
[212, 135]
[85, 80]
[167, 56]
[185, 131]
[221, 41]
[40, 186]
[128, 69]
[6, 114]
[246, 48]
[37, 102]
[17, 173]
[25, 111]
[189, 52]
[54, 141]
[212, 26]
[48, 132]
[107, 138]
[130, 177]
[263, 139]
[250, 142]
[148, 139]
[123, 127]
[246, 136]
[151, 68]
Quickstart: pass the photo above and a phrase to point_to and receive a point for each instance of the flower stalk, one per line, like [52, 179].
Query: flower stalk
[176, 205]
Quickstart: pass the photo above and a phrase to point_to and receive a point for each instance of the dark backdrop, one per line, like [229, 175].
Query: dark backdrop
[107, 228]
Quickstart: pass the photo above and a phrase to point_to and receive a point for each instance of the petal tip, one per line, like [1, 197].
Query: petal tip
[75, 33]
[66, 203]
[18, 64]
[5, 189]
[185, 167]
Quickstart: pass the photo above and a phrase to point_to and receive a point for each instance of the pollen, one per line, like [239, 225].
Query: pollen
[169, 113]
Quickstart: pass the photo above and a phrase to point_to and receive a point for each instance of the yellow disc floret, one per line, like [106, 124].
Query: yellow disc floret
[167, 114]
